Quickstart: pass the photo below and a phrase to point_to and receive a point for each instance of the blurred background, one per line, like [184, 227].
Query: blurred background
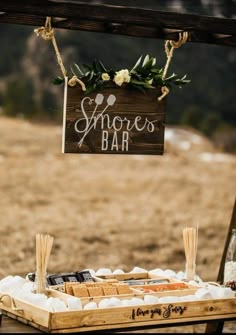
[116, 211]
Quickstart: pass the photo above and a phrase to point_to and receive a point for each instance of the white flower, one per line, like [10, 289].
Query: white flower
[121, 77]
[150, 81]
[105, 76]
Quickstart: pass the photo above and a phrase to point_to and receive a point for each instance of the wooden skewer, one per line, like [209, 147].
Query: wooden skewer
[190, 237]
[43, 249]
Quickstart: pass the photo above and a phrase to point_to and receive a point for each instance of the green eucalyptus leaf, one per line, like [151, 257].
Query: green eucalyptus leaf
[136, 76]
[88, 67]
[171, 77]
[137, 63]
[78, 70]
[58, 81]
[146, 59]
[179, 82]
[141, 83]
[95, 66]
[149, 65]
[155, 70]
[72, 71]
[158, 81]
[139, 88]
[91, 74]
[89, 89]
[143, 71]
[102, 67]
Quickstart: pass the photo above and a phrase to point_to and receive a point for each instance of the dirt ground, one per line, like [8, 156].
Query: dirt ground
[112, 211]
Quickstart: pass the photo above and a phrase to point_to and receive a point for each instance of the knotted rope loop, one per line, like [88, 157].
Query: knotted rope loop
[183, 37]
[74, 80]
[47, 33]
[170, 46]
[164, 90]
[12, 301]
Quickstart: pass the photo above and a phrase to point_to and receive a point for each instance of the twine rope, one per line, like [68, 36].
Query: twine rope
[12, 301]
[170, 46]
[47, 33]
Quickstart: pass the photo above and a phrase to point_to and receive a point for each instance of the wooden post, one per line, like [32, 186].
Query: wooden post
[217, 327]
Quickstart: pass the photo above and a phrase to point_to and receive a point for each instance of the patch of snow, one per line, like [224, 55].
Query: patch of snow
[185, 145]
[185, 139]
[216, 157]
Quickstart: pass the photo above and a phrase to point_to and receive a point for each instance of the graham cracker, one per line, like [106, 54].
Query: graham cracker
[123, 289]
[80, 290]
[110, 290]
[95, 291]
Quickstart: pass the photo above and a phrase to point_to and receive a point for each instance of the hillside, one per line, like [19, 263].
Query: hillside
[111, 211]
[115, 211]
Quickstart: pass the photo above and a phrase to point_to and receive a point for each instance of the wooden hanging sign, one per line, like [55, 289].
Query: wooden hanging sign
[115, 120]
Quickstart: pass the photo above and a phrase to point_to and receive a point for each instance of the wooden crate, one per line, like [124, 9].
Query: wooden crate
[118, 317]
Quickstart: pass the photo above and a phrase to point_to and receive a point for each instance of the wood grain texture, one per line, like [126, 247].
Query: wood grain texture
[151, 316]
[121, 20]
[13, 324]
[26, 311]
[119, 14]
[217, 327]
[134, 124]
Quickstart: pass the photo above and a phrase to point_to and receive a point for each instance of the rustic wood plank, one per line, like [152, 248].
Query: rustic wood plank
[26, 311]
[119, 29]
[218, 326]
[154, 315]
[119, 14]
[130, 123]
[10, 324]
[139, 327]
[85, 300]
[121, 20]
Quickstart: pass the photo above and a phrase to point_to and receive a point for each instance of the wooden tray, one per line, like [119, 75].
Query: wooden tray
[118, 317]
[140, 281]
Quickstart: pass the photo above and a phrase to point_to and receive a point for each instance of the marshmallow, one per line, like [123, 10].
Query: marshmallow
[91, 305]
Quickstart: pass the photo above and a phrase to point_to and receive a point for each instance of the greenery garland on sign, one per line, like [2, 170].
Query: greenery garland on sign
[143, 75]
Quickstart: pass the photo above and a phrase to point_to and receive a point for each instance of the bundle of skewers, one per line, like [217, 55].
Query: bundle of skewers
[190, 237]
[43, 249]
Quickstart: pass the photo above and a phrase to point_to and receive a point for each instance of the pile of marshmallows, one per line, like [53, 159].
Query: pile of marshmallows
[23, 289]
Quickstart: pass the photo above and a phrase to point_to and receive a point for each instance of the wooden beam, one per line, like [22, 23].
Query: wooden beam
[217, 327]
[119, 29]
[120, 20]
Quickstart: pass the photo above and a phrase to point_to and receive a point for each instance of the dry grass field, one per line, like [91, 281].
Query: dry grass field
[112, 211]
